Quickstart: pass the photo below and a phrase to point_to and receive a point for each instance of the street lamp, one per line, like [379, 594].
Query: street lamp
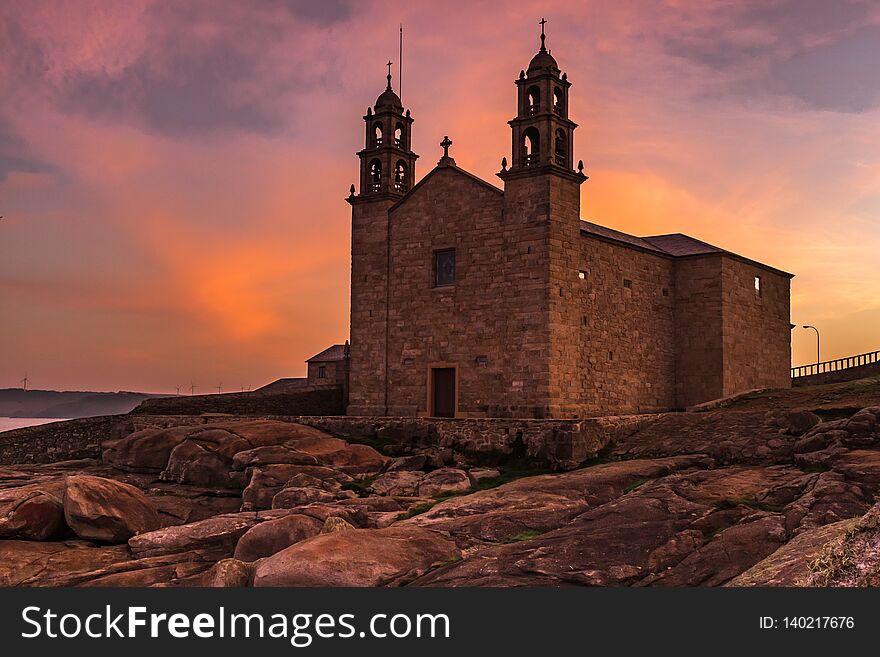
[818, 359]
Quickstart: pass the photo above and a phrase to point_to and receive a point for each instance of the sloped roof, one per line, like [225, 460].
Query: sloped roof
[618, 236]
[679, 245]
[674, 245]
[441, 167]
[336, 352]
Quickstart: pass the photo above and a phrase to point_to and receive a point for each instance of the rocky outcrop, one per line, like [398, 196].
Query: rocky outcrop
[740, 495]
[359, 557]
[267, 538]
[105, 510]
[31, 513]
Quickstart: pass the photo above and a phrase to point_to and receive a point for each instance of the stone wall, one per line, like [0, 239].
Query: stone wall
[627, 347]
[334, 373]
[467, 325]
[838, 376]
[369, 253]
[556, 444]
[699, 350]
[311, 400]
[757, 328]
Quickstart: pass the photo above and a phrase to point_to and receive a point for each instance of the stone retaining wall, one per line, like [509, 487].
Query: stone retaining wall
[556, 444]
[308, 400]
[840, 376]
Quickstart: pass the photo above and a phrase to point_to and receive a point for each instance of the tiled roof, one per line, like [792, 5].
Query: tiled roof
[336, 352]
[682, 245]
[675, 245]
[617, 236]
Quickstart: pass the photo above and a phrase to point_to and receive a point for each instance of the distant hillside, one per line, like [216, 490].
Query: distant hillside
[15, 402]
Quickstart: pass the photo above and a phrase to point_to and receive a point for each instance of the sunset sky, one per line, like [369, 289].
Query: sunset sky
[173, 174]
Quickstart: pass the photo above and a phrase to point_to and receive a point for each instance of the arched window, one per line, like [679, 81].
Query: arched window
[377, 134]
[533, 100]
[401, 179]
[375, 176]
[398, 136]
[561, 147]
[531, 147]
[558, 102]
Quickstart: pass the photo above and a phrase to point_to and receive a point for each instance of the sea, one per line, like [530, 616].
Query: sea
[7, 423]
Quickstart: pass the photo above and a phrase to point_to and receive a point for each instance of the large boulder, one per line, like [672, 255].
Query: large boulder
[358, 557]
[272, 536]
[221, 532]
[265, 482]
[444, 481]
[31, 513]
[147, 450]
[403, 483]
[105, 510]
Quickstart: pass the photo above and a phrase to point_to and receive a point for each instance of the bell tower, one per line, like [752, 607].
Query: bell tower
[387, 173]
[387, 161]
[542, 232]
[543, 133]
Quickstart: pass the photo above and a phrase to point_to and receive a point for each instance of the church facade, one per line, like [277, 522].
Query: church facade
[468, 300]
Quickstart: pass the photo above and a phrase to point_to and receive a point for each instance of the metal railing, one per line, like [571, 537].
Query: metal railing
[836, 365]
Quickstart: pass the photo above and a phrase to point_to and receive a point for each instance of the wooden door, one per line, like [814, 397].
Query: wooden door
[443, 386]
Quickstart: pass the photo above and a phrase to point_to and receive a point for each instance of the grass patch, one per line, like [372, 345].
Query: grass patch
[634, 485]
[812, 469]
[733, 502]
[522, 536]
[418, 509]
[362, 487]
[836, 556]
[376, 443]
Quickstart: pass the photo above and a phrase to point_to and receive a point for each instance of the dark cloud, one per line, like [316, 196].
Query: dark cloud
[840, 77]
[771, 47]
[196, 82]
[15, 156]
[321, 12]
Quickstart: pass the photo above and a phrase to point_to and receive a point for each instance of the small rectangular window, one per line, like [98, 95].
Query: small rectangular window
[757, 286]
[582, 275]
[627, 283]
[665, 291]
[322, 372]
[444, 267]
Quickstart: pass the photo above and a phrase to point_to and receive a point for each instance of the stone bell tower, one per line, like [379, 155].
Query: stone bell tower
[387, 173]
[542, 226]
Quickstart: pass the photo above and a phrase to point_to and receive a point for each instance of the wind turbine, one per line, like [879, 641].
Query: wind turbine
[192, 388]
[219, 388]
[178, 391]
[25, 380]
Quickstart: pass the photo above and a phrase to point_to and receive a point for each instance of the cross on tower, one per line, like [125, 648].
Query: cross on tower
[389, 72]
[446, 143]
[543, 21]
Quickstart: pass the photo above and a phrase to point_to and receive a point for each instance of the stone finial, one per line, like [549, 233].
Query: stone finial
[351, 190]
[580, 166]
[504, 164]
[446, 160]
[369, 111]
[446, 143]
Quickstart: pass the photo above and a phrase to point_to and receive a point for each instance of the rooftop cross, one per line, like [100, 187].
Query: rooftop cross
[446, 143]
[543, 21]
[389, 73]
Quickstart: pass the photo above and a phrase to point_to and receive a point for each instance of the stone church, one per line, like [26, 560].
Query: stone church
[472, 301]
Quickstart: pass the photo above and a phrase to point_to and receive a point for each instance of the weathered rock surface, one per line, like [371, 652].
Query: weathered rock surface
[743, 493]
[444, 481]
[538, 504]
[31, 513]
[402, 483]
[358, 557]
[105, 510]
[220, 532]
[267, 538]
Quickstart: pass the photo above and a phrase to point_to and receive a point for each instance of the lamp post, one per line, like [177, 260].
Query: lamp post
[818, 359]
